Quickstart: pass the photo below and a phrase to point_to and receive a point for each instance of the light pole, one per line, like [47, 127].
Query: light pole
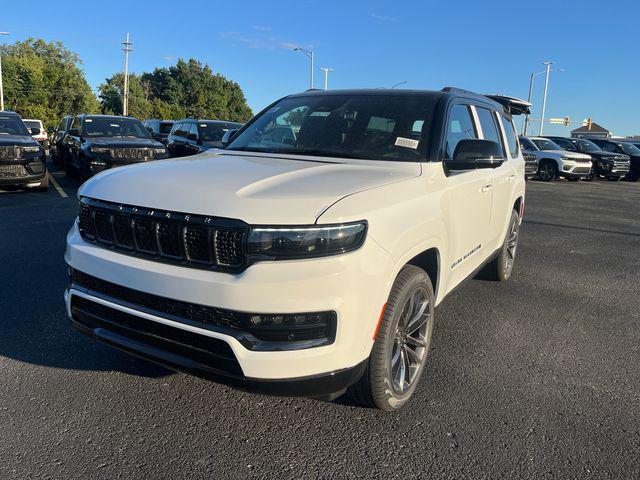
[308, 53]
[125, 100]
[544, 98]
[1, 88]
[533, 76]
[326, 75]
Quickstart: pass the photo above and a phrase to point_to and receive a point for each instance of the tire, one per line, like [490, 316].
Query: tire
[613, 179]
[572, 179]
[501, 267]
[632, 177]
[384, 383]
[590, 177]
[547, 170]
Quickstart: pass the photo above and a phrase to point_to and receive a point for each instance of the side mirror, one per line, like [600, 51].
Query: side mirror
[35, 131]
[471, 154]
[228, 136]
[74, 132]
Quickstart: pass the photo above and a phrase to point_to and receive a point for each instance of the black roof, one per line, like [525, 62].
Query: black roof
[204, 120]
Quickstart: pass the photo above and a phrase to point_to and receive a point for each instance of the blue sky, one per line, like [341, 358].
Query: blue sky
[488, 47]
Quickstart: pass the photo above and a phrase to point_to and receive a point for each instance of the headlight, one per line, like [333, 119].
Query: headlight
[99, 149]
[30, 149]
[568, 159]
[282, 243]
[159, 151]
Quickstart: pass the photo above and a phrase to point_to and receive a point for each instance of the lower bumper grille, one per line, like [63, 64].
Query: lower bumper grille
[581, 169]
[213, 353]
[13, 171]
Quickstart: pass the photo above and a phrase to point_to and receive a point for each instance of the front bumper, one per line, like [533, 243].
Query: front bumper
[21, 172]
[352, 285]
[575, 169]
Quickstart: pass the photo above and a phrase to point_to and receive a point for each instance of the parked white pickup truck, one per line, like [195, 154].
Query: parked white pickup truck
[308, 266]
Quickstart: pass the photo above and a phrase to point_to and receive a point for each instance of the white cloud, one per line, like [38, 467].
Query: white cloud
[384, 18]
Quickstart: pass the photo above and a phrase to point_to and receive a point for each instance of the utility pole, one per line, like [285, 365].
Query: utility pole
[544, 99]
[326, 76]
[1, 88]
[125, 99]
[526, 117]
[308, 53]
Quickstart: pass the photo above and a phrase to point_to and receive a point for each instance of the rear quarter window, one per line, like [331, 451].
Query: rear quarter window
[512, 138]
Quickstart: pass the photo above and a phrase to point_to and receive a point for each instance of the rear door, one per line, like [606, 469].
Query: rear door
[506, 177]
[468, 197]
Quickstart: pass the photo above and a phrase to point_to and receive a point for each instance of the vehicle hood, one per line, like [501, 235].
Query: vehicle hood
[256, 188]
[17, 141]
[116, 142]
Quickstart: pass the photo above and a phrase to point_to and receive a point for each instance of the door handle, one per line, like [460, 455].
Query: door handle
[486, 188]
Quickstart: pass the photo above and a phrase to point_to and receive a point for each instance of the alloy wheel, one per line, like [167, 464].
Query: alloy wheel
[411, 341]
[512, 245]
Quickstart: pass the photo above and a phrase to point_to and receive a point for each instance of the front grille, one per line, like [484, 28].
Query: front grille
[581, 169]
[214, 353]
[620, 166]
[10, 153]
[190, 240]
[131, 153]
[12, 171]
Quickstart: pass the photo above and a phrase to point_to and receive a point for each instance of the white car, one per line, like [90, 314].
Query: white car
[554, 162]
[36, 126]
[304, 268]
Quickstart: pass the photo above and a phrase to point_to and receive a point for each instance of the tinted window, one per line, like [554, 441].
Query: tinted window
[459, 127]
[193, 130]
[77, 123]
[61, 124]
[527, 144]
[564, 143]
[512, 138]
[114, 127]
[178, 130]
[367, 126]
[32, 124]
[165, 127]
[630, 149]
[608, 147]
[588, 146]
[489, 126]
[12, 125]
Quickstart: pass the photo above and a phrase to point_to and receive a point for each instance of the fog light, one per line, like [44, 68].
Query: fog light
[36, 167]
[293, 327]
[566, 168]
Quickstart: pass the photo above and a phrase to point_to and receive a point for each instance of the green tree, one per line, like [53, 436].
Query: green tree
[43, 80]
[187, 89]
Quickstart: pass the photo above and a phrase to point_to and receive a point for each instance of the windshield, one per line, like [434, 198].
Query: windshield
[630, 149]
[213, 132]
[114, 127]
[165, 127]
[588, 146]
[527, 144]
[371, 127]
[32, 124]
[12, 125]
[544, 144]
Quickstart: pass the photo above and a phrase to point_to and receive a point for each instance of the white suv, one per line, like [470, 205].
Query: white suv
[554, 162]
[306, 266]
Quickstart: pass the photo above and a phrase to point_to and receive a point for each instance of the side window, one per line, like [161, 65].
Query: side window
[489, 126]
[60, 125]
[566, 144]
[512, 138]
[177, 130]
[193, 130]
[460, 126]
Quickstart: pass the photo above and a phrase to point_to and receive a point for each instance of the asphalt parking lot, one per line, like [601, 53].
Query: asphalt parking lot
[535, 378]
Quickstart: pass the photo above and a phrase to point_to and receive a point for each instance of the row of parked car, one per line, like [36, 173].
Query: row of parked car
[84, 145]
[548, 158]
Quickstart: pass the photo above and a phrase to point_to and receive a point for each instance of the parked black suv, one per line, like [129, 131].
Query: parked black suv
[625, 148]
[56, 148]
[97, 142]
[159, 129]
[190, 136]
[611, 166]
[22, 159]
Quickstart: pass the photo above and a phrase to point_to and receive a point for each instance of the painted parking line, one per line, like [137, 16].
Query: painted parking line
[57, 186]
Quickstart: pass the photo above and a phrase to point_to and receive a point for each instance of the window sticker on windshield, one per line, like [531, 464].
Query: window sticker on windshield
[407, 142]
[320, 114]
[114, 125]
[203, 125]
[88, 120]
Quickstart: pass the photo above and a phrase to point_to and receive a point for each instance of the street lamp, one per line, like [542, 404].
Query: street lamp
[533, 76]
[1, 90]
[308, 53]
[398, 84]
[326, 75]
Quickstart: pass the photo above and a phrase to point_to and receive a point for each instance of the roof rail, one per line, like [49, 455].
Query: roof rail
[313, 90]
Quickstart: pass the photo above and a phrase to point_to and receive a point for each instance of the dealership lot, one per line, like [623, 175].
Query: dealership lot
[536, 378]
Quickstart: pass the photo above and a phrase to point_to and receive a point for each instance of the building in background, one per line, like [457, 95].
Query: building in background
[594, 130]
